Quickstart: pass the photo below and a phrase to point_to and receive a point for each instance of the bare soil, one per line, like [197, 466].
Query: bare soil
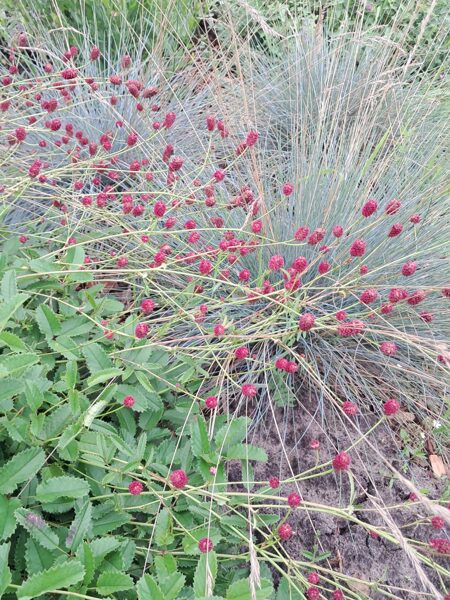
[285, 434]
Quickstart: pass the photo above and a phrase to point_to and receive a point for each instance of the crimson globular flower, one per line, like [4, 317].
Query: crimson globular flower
[391, 407]
[135, 488]
[369, 208]
[285, 531]
[294, 500]
[248, 390]
[129, 401]
[388, 348]
[341, 462]
[306, 321]
[349, 408]
[358, 248]
[211, 402]
[274, 483]
[178, 479]
[205, 545]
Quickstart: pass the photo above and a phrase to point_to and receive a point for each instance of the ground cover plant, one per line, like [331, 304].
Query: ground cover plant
[224, 315]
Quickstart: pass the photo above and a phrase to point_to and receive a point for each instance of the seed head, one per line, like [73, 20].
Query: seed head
[338, 231]
[395, 230]
[368, 296]
[241, 352]
[276, 262]
[147, 306]
[437, 522]
[393, 207]
[274, 482]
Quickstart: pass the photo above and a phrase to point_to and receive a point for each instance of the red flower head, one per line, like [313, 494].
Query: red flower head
[248, 390]
[205, 545]
[128, 401]
[437, 522]
[416, 297]
[313, 578]
[211, 402]
[349, 408]
[341, 461]
[395, 230]
[252, 138]
[301, 234]
[178, 479]
[313, 593]
[358, 248]
[285, 531]
[391, 407]
[415, 219]
[338, 231]
[393, 207]
[324, 267]
[294, 500]
[288, 188]
[147, 306]
[368, 296]
[388, 348]
[135, 488]
[141, 330]
[241, 352]
[276, 262]
[159, 209]
[219, 330]
[274, 482]
[369, 208]
[306, 322]
[299, 264]
[256, 226]
[341, 315]
[205, 267]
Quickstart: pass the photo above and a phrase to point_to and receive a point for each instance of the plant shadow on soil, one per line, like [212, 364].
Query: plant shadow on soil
[285, 434]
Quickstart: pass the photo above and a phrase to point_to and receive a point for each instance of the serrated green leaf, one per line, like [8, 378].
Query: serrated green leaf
[15, 364]
[47, 321]
[5, 572]
[171, 585]
[9, 286]
[110, 582]
[232, 433]
[165, 565]
[62, 487]
[13, 342]
[7, 309]
[246, 452]
[240, 590]
[104, 375]
[86, 557]
[38, 528]
[205, 574]
[96, 358]
[148, 589]
[33, 395]
[163, 528]
[81, 524]
[109, 522]
[20, 468]
[8, 521]
[71, 374]
[199, 437]
[58, 577]
[38, 558]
